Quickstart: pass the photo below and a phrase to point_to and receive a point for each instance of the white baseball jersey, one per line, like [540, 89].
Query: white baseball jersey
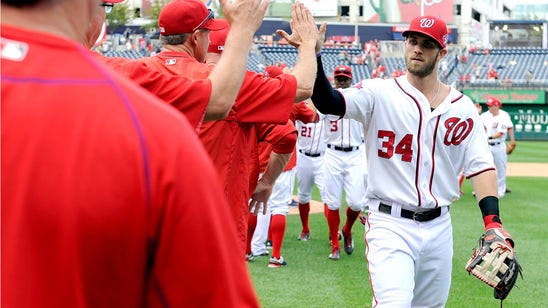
[344, 164]
[495, 124]
[310, 150]
[311, 136]
[415, 154]
[343, 132]
[492, 125]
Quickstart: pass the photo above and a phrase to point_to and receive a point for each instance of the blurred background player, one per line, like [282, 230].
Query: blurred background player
[102, 198]
[310, 164]
[275, 149]
[344, 169]
[275, 218]
[498, 125]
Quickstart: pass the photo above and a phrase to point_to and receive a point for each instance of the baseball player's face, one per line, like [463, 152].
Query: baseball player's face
[494, 109]
[342, 82]
[421, 54]
[201, 44]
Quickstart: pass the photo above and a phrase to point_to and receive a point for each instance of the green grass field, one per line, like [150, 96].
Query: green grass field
[312, 280]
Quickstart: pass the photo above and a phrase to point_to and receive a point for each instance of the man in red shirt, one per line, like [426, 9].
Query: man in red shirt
[207, 99]
[275, 148]
[107, 194]
[278, 202]
[261, 100]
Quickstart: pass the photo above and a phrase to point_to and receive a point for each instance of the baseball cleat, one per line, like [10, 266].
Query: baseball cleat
[275, 262]
[335, 253]
[348, 243]
[249, 257]
[264, 254]
[305, 236]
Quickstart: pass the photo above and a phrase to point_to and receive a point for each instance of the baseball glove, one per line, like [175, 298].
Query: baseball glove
[495, 263]
[510, 147]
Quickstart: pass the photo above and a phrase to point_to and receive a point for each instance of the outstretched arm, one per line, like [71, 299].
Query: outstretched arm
[326, 99]
[304, 34]
[263, 190]
[244, 17]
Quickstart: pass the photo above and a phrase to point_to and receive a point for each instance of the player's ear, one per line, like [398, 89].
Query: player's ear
[442, 53]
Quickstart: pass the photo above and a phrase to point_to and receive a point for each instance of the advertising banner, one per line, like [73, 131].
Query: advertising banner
[402, 11]
[325, 8]
[530, 122]
[521, 96]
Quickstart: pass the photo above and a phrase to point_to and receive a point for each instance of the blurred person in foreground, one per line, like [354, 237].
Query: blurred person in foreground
[107, 193]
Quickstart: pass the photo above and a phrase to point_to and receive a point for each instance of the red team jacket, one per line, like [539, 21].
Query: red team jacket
[191, 97]
[107, 195]
[230, 141]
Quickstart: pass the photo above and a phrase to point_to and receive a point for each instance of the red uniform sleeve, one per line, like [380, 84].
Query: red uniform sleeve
[280, 139]
[264, 99]
[191, 97]
[302, 112]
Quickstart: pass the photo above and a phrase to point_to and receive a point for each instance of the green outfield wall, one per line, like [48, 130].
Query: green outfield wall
[528, 109]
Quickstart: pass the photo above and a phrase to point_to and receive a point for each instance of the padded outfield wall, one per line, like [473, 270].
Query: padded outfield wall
[528, 109]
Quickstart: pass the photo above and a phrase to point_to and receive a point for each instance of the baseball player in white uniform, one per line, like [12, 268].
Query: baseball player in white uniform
[344, 159]
[419, 134]
[310, 150]
[498, 124]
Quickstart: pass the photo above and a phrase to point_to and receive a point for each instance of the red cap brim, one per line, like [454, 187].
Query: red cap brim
[407, 32]
[344, 75]
[214, 25]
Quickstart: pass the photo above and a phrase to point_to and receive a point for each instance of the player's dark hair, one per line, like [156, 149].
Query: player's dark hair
[176, 39]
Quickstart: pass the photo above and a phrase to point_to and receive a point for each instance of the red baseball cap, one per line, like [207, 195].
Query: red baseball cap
[343, 70]
[186, 16]
[493, 101]
[272, 71]
[217, 38]
[430, 26]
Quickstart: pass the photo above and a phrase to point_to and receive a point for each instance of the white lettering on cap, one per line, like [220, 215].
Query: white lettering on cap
[427, 23]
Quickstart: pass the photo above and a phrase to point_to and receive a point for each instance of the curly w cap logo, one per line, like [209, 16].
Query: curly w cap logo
[427, 23]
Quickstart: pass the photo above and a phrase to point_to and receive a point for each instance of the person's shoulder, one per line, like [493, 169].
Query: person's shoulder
[504, 112]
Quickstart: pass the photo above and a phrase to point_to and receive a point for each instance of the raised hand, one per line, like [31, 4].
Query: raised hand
[303, 27]
[320, 40]
[247, 14]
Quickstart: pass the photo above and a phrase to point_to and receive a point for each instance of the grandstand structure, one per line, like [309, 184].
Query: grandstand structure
[512, 64]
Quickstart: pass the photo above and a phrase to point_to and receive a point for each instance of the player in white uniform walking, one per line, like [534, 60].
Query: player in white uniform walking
[419, 134]
[344, 169]
[498, 125]
[310, 150]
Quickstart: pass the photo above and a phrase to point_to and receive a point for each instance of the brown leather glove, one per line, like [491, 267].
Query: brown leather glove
[510, 147]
